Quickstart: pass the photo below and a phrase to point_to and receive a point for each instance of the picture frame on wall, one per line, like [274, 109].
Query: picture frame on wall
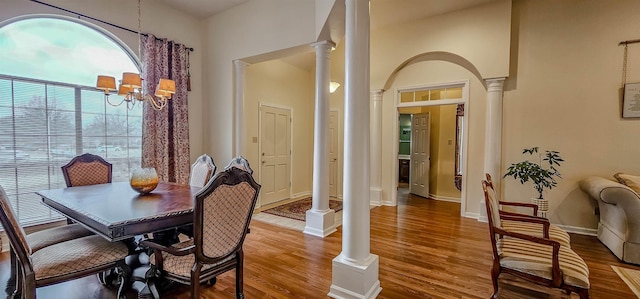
[631, 101]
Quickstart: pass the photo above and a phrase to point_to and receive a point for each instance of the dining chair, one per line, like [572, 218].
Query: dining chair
[59, 262]
[241, 163]
[528, 224]
[201, 171]
[87, 169]
[83, 170]
[540, 260]
[222, 214]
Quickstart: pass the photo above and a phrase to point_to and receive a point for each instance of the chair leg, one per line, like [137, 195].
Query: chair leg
[195, 281]
[239, 274]
[29, 286]
[583, 293]
[12, 283]
[495, 273]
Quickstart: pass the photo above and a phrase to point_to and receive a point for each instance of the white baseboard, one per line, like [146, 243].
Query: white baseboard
[579, 230]
[567, 228]
[302, 194]
[473, 216]
[444, 198]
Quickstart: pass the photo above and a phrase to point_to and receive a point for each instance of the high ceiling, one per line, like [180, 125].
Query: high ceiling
[383, 12]
[203, 8]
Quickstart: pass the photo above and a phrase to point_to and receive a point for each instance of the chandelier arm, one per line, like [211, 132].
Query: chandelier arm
[106, 97]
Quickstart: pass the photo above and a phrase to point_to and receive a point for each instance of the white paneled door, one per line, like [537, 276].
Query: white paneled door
[275, 145]
[333, 153]
[420, 155]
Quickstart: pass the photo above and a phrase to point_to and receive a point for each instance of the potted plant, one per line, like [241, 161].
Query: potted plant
[542, 173]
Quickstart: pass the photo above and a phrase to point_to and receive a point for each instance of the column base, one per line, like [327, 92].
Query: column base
[375, 196]
[320, 223]
[355, 280]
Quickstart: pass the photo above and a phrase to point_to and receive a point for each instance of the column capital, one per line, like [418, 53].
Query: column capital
[240, 64]
[376, 94]
[324, 43]
[495, 84]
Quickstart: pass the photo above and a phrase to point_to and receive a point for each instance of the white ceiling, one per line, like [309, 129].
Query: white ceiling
[383, 13]
[203, 8]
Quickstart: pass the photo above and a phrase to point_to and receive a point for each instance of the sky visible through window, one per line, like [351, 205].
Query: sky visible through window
[60, 51]
[63, 51]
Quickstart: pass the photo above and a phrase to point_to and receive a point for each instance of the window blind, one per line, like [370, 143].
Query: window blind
[45, 124]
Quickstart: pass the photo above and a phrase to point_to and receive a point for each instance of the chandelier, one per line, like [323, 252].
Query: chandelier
[131, 86]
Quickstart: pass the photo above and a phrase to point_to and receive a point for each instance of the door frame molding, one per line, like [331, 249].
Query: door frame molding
[277, 106]
[339, 166]
[464, 100]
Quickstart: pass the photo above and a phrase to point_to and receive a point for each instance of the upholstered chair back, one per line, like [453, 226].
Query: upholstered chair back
[15, 233]
[223, 211]
[201, 171]
[87, 169]
[492, 204]
[241, 163]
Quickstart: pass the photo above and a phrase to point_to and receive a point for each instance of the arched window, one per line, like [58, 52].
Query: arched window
[50, 110]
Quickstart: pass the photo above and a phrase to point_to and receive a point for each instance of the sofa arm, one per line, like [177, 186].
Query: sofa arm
[608, 192]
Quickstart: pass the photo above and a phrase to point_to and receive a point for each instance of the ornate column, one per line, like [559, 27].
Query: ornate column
[493, 136]
[320, 219]
[355, 270]
[239, 68]
[376, 148]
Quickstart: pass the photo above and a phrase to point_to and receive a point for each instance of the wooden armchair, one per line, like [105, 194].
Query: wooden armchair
[222, 213]
[58, 262]
[201, 171]
[528, 224]
[540, 260]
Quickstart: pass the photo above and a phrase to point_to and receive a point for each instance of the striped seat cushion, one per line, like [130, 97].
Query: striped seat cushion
[535, 259]
[76, 255]
[181, 265]
[48, 237]
[535, 229]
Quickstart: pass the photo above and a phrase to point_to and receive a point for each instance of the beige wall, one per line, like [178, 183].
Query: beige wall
[480, 35]
[278, 84]
[182, 28]
[255, 31]
[563, 95]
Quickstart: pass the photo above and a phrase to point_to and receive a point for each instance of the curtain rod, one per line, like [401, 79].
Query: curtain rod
[97, 20]
[626, 42]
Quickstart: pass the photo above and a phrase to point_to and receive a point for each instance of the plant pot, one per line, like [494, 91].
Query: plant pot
[543, 206]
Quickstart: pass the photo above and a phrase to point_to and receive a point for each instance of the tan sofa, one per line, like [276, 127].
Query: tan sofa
[619, 209]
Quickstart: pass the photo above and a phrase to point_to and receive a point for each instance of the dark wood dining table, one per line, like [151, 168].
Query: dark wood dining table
[117, 212]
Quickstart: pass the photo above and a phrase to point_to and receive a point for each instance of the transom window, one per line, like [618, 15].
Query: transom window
[431, 94]
[50, 111]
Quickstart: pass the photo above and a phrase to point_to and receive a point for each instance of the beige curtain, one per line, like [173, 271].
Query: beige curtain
[165, 133]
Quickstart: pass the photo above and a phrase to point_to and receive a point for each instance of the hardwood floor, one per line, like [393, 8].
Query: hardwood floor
[426, 250]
